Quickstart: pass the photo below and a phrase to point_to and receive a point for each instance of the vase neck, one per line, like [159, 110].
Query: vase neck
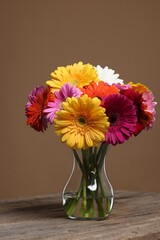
[92, 158]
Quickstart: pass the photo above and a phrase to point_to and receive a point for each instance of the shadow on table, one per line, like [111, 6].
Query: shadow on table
[37, 210]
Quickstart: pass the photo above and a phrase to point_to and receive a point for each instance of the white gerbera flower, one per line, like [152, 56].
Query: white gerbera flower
[108, 75]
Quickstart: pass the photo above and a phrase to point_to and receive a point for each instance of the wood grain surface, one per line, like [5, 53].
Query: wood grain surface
[134, 216]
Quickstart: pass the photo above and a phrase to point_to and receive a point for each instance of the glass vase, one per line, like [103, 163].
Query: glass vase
[88, 194]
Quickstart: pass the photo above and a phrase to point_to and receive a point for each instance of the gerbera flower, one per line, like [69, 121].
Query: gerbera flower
[78, 74]
[100, 90]
[145, 108]
[108, 75]
[122, 117]
[38, 100]
[82, 122]
[138, 87]
[122, 88]
[136, 98]
[148, 105]
[53, 106]
[67, 91]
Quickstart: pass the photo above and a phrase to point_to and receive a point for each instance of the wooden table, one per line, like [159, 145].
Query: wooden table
[134, 216]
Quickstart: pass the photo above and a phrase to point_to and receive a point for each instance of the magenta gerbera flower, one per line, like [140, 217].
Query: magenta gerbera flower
[122, 117]
[38, 99]
[60, 96]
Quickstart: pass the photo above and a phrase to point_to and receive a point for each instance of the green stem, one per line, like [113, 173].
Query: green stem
[94, 155]
[84, 198]
[101, 185]
[101, 155]
[100, 208]
[100, 164]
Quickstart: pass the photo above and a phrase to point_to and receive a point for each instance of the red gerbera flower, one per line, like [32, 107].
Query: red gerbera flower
[38, 100]
[100, 90]
[145, 108]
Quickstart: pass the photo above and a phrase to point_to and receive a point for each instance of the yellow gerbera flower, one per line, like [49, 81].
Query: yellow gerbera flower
[82, 122]
[78, 74]
[139, 87]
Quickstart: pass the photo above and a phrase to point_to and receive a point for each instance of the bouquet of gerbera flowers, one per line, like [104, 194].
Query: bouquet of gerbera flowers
[89, 106]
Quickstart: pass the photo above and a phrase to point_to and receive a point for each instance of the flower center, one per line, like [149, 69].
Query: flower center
[74, 82]
[113, 118]
[82, 121]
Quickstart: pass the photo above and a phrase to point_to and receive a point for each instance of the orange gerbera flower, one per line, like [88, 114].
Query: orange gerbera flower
[100, 90]
[139, 87]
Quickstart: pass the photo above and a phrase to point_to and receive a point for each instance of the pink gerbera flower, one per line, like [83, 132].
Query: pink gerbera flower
[148, 105]
[38, 99]
[60, 96]
[122, 117]
[122, 87]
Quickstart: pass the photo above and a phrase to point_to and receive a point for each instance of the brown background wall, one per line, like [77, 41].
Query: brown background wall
[36, 36]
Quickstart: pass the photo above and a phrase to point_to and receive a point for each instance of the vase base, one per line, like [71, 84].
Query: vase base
[93, 208]
[87, 219]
